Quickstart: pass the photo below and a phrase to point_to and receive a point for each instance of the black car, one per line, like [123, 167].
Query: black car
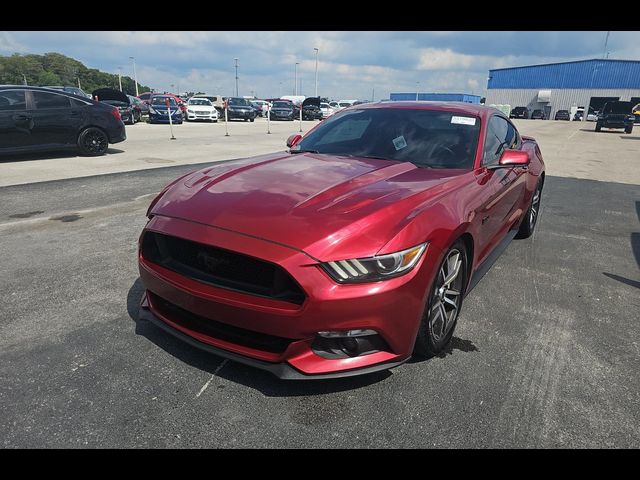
[140, 108]
[519, 112]
[75, 90]
[284, 110]
[119, 100]
[616, 115]
[538, 114]
[563, 115]
[37, 119]
[311, 109]
[240, 109]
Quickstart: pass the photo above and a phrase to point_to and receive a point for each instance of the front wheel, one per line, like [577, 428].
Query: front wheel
[598, 127]
[93, 142]
[444, 302]
[252, 120]
[531, 216]
[628, 129]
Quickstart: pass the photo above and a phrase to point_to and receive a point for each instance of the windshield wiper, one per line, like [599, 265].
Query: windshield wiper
[303, 151]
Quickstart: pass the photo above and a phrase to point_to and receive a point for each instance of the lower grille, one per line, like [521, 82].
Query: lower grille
[218, 330]
[221, 268]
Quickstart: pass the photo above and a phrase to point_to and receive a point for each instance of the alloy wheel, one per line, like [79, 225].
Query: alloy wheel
[535, 207]
[95, 141]
[446, 298]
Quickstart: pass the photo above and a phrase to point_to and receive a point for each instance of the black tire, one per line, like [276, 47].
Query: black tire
[93, 142]
[598, 127]
[434, 334]
[530, 218]
[252, 120]
[628, 129]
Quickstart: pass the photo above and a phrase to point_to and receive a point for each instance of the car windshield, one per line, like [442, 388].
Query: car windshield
[163, 101]
[200, 101]
[426, 138]
[239, 101]
[325, 105]
[617, 107]
[344, 104]
[282, 105]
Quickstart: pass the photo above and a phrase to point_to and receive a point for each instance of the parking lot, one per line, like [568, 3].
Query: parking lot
[546, 352]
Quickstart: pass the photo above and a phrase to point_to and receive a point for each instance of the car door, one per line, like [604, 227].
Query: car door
[55, 121]
[16, 123]
[505, 186]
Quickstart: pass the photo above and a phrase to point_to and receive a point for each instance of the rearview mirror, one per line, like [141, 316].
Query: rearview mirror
[293, 140]
[512, 158]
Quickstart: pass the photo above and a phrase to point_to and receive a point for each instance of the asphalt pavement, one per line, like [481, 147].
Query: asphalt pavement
[546, 353]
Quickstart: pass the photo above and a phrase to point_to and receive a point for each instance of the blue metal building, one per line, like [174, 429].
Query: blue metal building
[565, 86]
[435, 97]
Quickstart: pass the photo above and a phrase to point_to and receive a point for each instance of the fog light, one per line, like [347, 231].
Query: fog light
[347, 333]
[349, 345]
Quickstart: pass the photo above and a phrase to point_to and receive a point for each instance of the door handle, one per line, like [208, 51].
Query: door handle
[22, 117]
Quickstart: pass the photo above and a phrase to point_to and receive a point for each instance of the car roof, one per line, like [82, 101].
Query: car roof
[455, 107]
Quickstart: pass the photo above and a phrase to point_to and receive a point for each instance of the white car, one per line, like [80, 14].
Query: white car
[201, 109]
[326, 109]
[592, 117]
[263, 105]
[334, 105]
[346, 103]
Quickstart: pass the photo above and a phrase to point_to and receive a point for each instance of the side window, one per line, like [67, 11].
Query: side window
[12, 100]
[501, 135]
[45, 100]
[78, 103]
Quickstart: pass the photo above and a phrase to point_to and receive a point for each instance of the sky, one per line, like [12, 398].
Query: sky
[351, 65]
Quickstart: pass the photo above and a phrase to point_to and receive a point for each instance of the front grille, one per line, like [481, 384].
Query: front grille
[221, 268]
[218, 330]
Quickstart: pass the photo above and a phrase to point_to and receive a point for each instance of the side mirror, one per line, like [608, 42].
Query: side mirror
[293, 140]
[512, 158]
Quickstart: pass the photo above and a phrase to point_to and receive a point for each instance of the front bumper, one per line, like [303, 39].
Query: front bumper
[392, 308]
[202, 116]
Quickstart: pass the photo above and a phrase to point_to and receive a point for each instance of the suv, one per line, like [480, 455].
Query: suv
[563, 115]
[538, 114]
[519, 112]
[616, 115]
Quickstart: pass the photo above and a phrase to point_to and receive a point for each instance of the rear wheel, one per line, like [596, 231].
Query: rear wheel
[444, 302]
[628, 129]
[531, 216]
[93, 142]
[598, 127]
[252, 120]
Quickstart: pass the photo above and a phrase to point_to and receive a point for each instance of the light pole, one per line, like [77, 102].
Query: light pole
[135, 75]
[417, 88]
[120, 77]
[236, 60]
[316, 71]
[295, 79]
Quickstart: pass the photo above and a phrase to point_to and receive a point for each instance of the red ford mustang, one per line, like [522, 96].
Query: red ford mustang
[351, 251]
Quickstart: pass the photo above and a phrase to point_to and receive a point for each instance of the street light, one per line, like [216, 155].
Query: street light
[295, 79]
[135, 75]
[236, 60]
[417, 89]
[316, 71]
[120, 77]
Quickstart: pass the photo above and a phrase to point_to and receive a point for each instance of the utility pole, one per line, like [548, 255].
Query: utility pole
[606, 42]
[135, 75]
[236, 61]
[120, 77]
[316, 71]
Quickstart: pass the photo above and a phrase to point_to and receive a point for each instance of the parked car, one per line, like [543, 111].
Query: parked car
[159, 111]
[519, 112]
[75, 90]
[239, 108]
[36, 119]
[579, 115]
[616, 115]
[636, 112]
[261, 106]
[345, 103]
[201, 109]
[216, 100]
[349, 252]
[563, 115]
[311, 109]
[326, 109]
[140, 108]
[148, 96]
[119, 100]
[335, 105]
[592, 116]
[284, 110]
[538, 115]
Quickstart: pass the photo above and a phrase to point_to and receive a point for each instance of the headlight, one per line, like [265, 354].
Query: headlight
[373, 269]
[189, 110]
[152, 110]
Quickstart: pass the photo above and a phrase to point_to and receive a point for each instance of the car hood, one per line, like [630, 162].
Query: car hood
[162, 107]
[331, 207]
[110, 94]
